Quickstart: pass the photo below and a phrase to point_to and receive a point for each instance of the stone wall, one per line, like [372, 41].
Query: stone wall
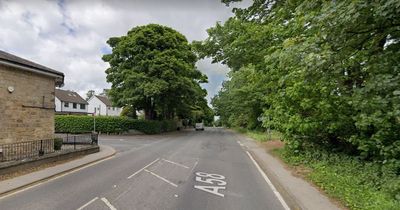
[28, 112]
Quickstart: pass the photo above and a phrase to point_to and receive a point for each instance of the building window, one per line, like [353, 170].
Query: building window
[113, 108]
[83, 106]
[74, 105]
[66, 104]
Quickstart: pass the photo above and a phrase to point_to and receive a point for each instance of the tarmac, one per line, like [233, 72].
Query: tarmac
[28, 180]
[297, 193]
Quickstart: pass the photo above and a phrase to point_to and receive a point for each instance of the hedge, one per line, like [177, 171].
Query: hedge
[107, 124]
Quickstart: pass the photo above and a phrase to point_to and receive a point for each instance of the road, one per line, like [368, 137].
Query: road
[181, 170]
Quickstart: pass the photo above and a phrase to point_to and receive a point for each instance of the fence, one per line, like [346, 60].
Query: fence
[78, 140]
[33, 149]
[27, 149]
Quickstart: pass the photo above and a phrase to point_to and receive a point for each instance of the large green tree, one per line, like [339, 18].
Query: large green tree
[330, 71]
[152, 68]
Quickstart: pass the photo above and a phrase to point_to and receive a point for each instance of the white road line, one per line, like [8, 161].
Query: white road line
[194, 166]
[54, 178]
[162, 178]
[88, 203]
[134, 174]
[240, 143]
[277, 194]
[178, 164]
[191, 171]
[108, 203]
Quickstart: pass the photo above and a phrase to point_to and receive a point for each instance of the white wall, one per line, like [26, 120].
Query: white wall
[61, 108]
[58, 104]
[114, 111]
[101, 108]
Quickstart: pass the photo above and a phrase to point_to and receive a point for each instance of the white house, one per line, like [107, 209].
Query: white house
[101, 105]
[70, 102]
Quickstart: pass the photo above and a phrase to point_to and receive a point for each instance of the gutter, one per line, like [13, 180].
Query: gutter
[59, 77]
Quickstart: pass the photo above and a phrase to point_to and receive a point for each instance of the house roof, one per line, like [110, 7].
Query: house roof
[23, 64]
[105, 100]
[69, 96]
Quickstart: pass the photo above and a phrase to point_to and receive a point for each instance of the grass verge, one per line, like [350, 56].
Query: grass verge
[260, 136]
[356, 183]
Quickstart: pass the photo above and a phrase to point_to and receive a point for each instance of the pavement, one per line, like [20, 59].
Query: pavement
[211, 169]
[298, 193]
[18, 183]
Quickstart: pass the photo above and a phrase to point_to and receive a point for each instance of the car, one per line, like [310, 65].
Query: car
[199, 126]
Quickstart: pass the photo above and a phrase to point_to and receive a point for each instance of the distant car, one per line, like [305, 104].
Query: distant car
[199, 126]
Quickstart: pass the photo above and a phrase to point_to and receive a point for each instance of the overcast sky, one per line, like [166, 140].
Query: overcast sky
[70, 36]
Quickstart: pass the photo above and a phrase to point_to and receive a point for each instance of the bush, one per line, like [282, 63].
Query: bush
[58, 143]
[107, 124]
[357, 183]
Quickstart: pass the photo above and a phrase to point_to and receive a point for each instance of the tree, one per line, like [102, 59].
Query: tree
[90, 94]
[129, 111]
[152, 68]
[329, 71]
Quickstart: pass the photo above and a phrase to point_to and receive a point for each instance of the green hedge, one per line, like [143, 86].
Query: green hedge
[106, 124]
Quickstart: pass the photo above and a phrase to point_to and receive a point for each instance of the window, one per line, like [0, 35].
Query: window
[83, 106]
[74, 105]
[66, 104]
[113, 108]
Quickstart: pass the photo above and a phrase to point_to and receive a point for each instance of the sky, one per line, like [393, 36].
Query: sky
[70, 35]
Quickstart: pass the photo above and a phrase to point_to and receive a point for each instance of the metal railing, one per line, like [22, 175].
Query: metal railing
[27, 149]
[34, 149]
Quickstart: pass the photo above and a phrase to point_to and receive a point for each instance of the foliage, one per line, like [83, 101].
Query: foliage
[107, 124]
[358, 184]
[260, 135]
[129, 111]
[58, 143]
[152, 68]
[322, 73]
[239, 101]
[90, 94]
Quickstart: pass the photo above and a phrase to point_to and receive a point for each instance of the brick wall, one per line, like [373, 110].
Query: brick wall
[28, 112]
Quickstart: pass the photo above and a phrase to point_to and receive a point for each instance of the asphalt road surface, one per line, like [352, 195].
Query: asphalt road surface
[181, 170]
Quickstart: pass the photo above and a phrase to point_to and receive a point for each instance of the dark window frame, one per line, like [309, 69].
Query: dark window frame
[74, 105]
[66, 104]
[82, 106]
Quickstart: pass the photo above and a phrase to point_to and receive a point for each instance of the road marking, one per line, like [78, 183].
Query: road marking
[240, 143]
[88, 203]
[143, 168]
[162, 178]
[178, 164]
[277, 194]
[213, 179]
[211, 189]
[54, 178]
[108, 203]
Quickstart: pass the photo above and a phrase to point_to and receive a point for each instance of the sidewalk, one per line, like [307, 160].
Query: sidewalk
[14, 184]
[298, 193]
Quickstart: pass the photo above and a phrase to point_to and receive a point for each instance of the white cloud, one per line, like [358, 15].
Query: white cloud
[69, 35]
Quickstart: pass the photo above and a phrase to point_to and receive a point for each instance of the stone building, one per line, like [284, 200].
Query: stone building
[26, 99]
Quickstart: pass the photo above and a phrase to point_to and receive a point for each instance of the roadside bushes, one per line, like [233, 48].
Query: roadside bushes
[107, 124]
[358, 184]
[58, 143]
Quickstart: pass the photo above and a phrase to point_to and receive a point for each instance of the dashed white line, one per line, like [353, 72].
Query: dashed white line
[108, 204]
[88, 203]
[178, 164]
[277, 194]
[134, 174]
[162, 178]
